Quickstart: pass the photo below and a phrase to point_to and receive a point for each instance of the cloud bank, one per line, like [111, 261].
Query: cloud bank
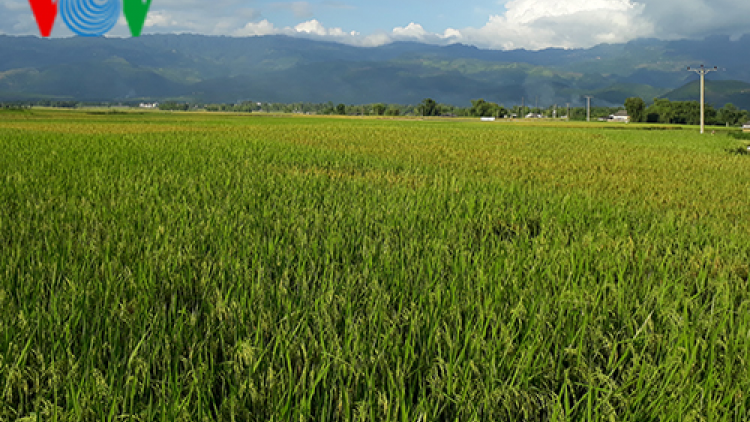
[530, 24]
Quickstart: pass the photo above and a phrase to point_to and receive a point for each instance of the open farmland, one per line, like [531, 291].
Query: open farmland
[194, 267]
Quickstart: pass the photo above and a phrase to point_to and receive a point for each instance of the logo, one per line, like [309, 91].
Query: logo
[90, 18]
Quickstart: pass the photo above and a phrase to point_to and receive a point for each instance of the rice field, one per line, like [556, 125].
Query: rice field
[195, 267]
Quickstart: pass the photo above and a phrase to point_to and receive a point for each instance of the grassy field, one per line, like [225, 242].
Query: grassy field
[196, 267]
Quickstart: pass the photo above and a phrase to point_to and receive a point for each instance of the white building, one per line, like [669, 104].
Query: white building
[620, 117]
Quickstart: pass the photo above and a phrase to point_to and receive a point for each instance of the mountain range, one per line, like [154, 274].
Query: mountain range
[285, 69]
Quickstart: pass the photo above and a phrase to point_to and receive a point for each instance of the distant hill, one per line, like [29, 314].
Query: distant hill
[618, 92]
[718, 93]
[286, 69]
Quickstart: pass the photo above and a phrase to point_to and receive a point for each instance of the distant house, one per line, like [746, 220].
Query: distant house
[620, 117]
[149, 105]
[534, 116]
[488, 119]
[746, 127]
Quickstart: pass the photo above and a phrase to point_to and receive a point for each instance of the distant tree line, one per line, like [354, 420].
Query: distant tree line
[683, 112]
[171, 106]
[42, 103]
[66, 104]
[661, 110]
[14, 106]
[427, 108]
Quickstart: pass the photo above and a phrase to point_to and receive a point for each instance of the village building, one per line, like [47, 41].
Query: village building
[620, 117]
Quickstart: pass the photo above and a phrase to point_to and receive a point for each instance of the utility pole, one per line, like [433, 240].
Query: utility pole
[523, 108]
[588, 107]
[703, 71]
[568, 116]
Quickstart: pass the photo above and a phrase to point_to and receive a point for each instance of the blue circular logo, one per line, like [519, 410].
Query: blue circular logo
[90, 18]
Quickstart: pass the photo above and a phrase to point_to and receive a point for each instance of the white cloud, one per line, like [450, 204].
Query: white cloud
[159, 19]
[255, 29]
[697, 18]
[536, 24]
[524, 12]
[314, 27]
[311, 28]
[413, 30]
[452, 33]
[531, 24]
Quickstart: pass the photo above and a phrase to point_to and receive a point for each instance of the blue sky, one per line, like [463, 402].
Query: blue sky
[371, 16]
[496, 24]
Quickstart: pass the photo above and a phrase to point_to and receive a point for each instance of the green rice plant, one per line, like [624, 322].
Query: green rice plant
[220, 268]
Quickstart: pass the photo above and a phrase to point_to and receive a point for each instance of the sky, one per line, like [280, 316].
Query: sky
[492, 24]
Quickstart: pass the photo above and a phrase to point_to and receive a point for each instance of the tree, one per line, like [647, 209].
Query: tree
[378, 109]
[730, 114]
[662, 111]
[171, 106]
[743, 117]
[636, 108]
[393, 111]
[341, 109]
[429, 107]
[482, 108]
[680, 112]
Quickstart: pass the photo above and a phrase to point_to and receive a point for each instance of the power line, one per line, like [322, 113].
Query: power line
[588, 107]
[703, 71]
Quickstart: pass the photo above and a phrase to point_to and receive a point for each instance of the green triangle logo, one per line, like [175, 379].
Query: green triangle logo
[135, 13]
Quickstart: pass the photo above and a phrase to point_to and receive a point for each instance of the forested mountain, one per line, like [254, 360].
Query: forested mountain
[286, 69]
